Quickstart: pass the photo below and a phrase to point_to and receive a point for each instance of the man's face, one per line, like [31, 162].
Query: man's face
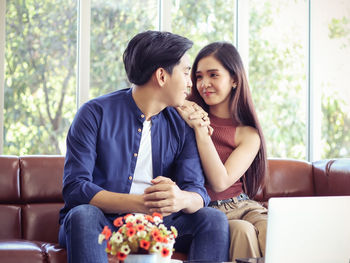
[178, 83]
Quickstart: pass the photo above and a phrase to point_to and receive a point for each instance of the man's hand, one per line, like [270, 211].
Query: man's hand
[164, 196]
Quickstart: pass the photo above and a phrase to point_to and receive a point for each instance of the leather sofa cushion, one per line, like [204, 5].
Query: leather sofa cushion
[10, 220]
[41, 178]
[9, 179]
[35, 222]
[20, 251]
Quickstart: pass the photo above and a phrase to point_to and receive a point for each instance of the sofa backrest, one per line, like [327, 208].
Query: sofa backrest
[10, 200]
[30, 197]
[288, 177]
[30, 190]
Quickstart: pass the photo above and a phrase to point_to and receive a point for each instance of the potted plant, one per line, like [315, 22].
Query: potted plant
[139, 236]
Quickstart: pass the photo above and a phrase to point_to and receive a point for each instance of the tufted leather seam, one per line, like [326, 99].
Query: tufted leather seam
[44, 253]
[328, 167]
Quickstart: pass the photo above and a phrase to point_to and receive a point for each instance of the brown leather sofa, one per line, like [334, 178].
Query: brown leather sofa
[30, 199]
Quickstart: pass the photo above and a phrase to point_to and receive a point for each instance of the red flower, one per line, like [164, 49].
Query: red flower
[165, 252]
[149, 218]
[165, 240]
[106, 232]
[118, 222]
[131, 231]
[140, 227]
[155, 233]
[157, 214]
[109, 247]
[145, 244]
[129, 224]
[158, 238]
[121, 256]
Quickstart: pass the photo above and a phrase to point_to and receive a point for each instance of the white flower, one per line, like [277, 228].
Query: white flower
[140, 217]
[157, 247]
[130, 219]
[125, 249]
[163, 228]
[157, 220]
[117, 238]
[101, 237]
[142, 234]
[174, 231]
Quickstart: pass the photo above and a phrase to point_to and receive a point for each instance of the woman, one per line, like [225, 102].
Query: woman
[234, 156]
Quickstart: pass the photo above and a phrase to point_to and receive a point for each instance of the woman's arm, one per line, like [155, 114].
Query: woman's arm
[221, 176]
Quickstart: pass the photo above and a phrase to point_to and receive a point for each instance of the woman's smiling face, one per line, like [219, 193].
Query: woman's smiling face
[214, 83]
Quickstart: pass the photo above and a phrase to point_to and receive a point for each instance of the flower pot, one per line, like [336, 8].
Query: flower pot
[141, 258]
[161, 259]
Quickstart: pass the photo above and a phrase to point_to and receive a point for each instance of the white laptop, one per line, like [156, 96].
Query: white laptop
[308, 230]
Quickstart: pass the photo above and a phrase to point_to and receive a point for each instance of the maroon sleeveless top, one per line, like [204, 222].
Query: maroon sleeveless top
[223, 138]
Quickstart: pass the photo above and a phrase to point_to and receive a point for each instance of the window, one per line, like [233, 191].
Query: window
[296, 55]
[330, 28]
[203, 21]
[277, 73]
[40, 75]
[113, 23]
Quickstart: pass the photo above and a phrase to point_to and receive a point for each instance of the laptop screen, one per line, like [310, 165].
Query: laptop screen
[308, 230]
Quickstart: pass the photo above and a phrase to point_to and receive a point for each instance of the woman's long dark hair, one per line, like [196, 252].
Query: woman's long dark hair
[240, 105]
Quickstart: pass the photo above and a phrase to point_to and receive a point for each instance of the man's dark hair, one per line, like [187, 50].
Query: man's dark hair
[150, 50]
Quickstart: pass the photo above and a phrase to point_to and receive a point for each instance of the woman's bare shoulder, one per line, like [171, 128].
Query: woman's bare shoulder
[246, 134]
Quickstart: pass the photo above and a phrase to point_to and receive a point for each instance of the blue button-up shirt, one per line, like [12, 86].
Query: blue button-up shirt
[103, 142]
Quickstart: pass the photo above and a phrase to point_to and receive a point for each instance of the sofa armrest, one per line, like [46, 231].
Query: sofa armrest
[332, 177]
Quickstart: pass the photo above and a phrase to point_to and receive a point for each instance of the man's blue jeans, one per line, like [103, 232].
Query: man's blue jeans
[206, 232]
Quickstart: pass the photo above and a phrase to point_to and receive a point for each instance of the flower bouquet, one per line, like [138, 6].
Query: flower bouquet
[139, 234]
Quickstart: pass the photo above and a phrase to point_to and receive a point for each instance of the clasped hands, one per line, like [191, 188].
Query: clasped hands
[164, 196]
[195, 116]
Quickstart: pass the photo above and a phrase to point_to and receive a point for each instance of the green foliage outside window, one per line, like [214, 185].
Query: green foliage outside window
[113, 23]
[41, 58]
[336, 119]
[277, 75]
[204, 21]
[40, 70]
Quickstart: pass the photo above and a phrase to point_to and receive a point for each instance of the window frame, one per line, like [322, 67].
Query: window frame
[2, 70]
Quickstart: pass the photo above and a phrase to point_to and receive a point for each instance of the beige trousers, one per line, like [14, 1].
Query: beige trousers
[248, 222]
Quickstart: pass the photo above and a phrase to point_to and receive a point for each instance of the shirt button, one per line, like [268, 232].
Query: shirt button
[139, 129]
[130, 177]
[142, 116]
[135, 154]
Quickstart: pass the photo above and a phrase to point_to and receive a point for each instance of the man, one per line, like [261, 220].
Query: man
[129, 152]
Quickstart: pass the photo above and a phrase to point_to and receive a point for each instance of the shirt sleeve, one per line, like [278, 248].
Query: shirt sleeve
[188, 168]
[78, 186]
